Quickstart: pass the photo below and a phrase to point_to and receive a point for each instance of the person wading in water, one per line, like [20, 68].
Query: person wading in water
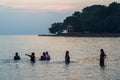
[102, 57]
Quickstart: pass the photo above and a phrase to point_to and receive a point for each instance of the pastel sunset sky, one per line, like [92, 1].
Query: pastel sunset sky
[36, 16]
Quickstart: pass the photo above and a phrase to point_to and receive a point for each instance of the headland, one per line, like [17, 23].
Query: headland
[84, 35]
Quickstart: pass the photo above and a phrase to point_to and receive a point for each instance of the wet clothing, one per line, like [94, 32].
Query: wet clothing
[67, 59]
[41, 58]
[32, 58]
[47, 57]
[16, 57]
[102, 58]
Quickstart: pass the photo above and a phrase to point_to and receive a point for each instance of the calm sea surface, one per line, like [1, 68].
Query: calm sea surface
[84, 54]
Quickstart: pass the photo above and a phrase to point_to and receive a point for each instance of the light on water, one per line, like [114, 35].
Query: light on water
[84, 54]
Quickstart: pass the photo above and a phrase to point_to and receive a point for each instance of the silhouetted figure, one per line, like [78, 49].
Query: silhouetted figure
[41, 58]
[47, 56]
[44, 56]
[67, 57]
[102, 57]
[16, 57]
[32, 56]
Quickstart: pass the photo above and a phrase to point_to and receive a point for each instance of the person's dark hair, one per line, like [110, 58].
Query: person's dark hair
[33, 53]
[46, 52]
[101, 50]
[16, 53]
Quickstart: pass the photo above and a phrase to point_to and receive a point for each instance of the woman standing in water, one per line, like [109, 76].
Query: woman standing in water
[67, 57]
[102, 57]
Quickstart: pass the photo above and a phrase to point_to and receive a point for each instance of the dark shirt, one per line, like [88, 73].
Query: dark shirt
[16, 57]
[32, 58]
[41, 58]
[102, 56]
[67, 59]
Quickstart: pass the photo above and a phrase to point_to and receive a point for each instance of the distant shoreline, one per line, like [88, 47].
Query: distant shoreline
[84, 35]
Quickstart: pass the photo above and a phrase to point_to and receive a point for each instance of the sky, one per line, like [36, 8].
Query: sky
[36, 16]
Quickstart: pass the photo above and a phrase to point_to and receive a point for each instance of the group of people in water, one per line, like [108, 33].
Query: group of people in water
[46, 57]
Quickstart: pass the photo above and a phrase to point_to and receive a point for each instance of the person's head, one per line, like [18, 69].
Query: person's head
[16, 53]
[67, 52]
[44, 53]
[47, 52]
[41, 57]
[101, 50]
[33, 53]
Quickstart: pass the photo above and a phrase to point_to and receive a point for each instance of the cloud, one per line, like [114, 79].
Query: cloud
[49, 5]
[38, 5]
[16, 21]
[35, 16]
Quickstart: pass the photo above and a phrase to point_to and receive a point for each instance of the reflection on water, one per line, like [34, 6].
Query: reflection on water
[84, 53]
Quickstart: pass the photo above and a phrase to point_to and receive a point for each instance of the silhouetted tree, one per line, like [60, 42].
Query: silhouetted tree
[56, 28]
[92, 19]
[73, 21]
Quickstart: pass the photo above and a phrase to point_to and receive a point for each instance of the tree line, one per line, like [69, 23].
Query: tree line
[92, 19]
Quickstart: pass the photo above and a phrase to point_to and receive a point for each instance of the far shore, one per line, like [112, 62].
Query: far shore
[83, 35]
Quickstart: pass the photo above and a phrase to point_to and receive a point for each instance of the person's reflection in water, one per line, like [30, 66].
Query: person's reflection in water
[67, 72]
[103, 73]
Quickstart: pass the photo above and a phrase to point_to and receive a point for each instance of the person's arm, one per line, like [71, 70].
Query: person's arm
[28, 55]
[105, 55]
[19, 58]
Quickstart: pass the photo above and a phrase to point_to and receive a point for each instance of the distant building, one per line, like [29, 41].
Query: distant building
[69, 29]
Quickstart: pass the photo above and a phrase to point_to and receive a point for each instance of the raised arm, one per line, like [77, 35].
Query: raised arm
[28, 55]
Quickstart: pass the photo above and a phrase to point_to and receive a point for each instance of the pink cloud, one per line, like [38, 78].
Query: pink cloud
[40, 8]
[45, 5]
[50, 5]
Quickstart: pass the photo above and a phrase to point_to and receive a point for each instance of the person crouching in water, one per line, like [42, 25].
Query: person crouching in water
[102, 57]
[16, 57]
[32, 57]
[67, 57]
[43, 57]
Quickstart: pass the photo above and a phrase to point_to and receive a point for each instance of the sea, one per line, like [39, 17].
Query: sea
[84, 56]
